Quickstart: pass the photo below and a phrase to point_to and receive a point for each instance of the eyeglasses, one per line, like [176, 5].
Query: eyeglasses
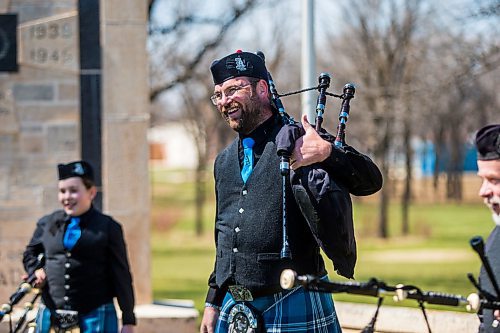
[228, 92]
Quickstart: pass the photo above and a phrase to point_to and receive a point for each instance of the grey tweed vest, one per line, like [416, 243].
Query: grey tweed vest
[249, 224]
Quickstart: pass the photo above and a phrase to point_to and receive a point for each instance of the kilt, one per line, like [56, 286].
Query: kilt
[102, 319]
[296, 310]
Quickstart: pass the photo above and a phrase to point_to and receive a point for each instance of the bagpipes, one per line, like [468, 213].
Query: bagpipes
[285, 149]
[484, 299]
[24, 288]
[475, 302]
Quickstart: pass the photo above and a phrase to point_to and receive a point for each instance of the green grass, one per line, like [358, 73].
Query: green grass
[436, 256]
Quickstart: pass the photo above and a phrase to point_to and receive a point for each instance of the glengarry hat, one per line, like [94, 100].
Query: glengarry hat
[238, 64]
[80, 169]
[488, 143]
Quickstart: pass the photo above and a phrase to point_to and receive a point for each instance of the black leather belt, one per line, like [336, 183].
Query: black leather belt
[241, 293]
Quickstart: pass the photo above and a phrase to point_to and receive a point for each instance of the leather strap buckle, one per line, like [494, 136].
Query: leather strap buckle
[240, 293]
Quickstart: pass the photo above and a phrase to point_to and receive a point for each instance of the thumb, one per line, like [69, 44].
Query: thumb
[305, 123]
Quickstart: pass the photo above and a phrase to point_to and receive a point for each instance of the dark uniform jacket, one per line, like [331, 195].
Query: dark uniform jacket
[94, 272]
[248, 226]
[492, 252]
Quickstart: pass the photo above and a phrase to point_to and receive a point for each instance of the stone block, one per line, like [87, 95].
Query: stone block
[50, 201]
[11, 212]
[4, 182]
[131, 11]
[68, 91]
[8, 121]
[34, 74]
[11, 270]
[32, 128]
[21, 196]
[4, 6]
[167, 319]
[125, 167]
[8, 148]
[32, 92]
[48, 113]
[125, 92]
[35, 175]
[51, 42]
[31, 143]
[62, 137]
[35, 9]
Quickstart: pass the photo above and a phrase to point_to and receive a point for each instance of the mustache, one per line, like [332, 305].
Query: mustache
[494, 204]
[233, 105]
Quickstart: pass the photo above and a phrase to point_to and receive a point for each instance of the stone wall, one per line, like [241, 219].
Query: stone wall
[40, 125]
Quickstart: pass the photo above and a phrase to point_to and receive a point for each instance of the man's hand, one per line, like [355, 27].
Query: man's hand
[210, 316]
[40, 278]
[127, 329]
[309, 148]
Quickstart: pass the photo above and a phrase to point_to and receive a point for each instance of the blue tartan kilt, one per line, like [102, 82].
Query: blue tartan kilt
[297, 310]
[101, 319]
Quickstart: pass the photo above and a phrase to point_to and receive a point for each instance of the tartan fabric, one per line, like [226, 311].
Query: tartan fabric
[297, 310]
[103, 319]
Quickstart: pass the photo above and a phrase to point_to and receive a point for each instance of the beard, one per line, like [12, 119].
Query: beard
[250, 115]
[496, 219]
[493, 204]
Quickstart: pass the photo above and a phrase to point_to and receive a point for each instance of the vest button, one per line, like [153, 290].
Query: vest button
[241, 210]
[237, 229]
[66, 276]
[235, 250]
[67, 265]
[66, 286]
[66, 298]
[68, 254]
[244, 192]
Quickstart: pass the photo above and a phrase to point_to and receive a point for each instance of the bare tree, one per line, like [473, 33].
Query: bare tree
[462, 62]
[414, 77]
[180, 76]
[410, 66]
[381, 37]
[184, 63]
[180, 79]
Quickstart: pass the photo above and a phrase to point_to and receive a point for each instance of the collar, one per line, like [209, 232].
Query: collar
[83, 218]
[261, 133]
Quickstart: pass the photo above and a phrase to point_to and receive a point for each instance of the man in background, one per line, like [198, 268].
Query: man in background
[488, 163]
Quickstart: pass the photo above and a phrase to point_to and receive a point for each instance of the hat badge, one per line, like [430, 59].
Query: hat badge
[78, 169]
[240, 64]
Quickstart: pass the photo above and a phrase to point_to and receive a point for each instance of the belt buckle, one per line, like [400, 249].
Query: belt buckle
[240, 293]
[66, 319]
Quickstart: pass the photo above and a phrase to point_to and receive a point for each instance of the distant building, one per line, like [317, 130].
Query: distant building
[172, 146]
[425, 158]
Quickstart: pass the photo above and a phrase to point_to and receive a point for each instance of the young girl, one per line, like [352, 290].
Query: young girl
[86, 262]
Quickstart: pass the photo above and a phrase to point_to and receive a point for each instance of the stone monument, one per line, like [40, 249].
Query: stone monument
[80, 91]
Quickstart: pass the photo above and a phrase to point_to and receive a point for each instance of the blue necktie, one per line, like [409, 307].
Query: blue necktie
[246, 170]
[73, 233]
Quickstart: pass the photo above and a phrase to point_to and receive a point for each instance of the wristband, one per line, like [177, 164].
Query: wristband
[210, 305]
